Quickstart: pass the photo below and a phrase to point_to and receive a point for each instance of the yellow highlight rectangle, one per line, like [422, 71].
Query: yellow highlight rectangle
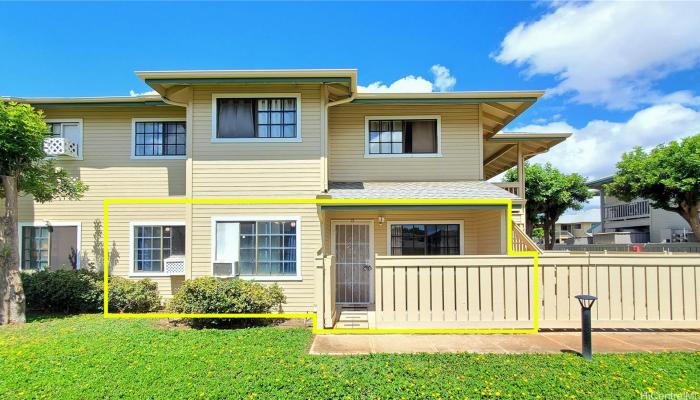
[313, 316]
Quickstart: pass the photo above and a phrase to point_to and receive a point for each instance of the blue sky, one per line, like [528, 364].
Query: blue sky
[617, 74]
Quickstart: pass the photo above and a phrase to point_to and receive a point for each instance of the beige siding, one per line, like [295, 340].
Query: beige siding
[257, 169]
[300, 293]
[461, 149]
[109, 171]
[482, 230]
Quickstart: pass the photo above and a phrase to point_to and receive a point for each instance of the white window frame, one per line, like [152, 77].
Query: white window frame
[249, 218]
[214, 113]
[405, 117]
[46, 224]
[459, 222]
[133, 139]
[132, 264]
[79, 121]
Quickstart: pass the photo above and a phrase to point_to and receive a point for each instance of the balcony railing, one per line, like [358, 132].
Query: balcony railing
[512, 187]
[628, 210]
[58, 146]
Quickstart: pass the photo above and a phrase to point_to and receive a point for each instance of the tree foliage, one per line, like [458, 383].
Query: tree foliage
[549, 193]
[668, 176]
[24, 169]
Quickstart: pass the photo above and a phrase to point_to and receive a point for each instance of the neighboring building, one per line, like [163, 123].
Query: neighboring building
[644, 223]
[304, 134]
[572, 229]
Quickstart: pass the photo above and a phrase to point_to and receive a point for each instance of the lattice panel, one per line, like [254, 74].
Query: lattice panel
[60, 147]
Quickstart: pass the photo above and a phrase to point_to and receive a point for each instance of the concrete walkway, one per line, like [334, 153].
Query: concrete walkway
[550, 342]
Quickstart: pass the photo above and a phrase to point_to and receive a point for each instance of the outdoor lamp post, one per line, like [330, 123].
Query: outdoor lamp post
[586, 301]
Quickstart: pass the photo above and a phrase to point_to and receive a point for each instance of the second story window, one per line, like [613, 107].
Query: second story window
[66, 138]
[388, 136]
[273, 118]
[160, 139]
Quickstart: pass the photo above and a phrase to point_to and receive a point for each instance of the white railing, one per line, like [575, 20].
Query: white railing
[628, 210]
[174, 265]
[512, 187]
[58, 146]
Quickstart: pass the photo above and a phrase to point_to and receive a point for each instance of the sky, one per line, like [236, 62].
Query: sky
[616, 74]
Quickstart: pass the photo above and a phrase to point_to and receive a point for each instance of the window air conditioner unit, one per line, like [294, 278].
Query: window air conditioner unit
[223, 269]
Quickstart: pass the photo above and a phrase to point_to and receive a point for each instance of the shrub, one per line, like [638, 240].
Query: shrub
[133, 296]
[230, 296]
[63, 291]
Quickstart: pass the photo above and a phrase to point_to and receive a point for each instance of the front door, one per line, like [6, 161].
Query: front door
[352, 246]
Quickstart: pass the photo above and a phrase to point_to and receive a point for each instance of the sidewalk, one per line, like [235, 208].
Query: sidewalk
[550, 342]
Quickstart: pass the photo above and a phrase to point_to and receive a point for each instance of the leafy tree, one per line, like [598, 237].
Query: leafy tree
[549, 193]
[24, 169]
[538, 233]
[668, 176]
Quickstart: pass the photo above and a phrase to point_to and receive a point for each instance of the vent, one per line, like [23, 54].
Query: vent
[223, 269]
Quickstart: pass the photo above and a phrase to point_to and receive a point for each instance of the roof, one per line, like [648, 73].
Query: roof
[501, 150]
[342, 82]
[577, 219]
[418, 190]
[155, 100]
[598, 183]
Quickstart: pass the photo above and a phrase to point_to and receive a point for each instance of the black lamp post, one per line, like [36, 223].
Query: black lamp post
[586, 301]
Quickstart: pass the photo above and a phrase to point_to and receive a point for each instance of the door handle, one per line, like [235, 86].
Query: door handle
[366, 267]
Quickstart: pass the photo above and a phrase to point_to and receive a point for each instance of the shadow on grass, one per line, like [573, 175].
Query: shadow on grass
[47, 317]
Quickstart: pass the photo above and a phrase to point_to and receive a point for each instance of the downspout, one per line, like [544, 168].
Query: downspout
[189, 118]
[324, 154]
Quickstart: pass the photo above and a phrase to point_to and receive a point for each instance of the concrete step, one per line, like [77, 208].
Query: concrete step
[352, 325]
[353, 316]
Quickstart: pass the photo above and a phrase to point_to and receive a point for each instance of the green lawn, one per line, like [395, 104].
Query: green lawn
[89, 357]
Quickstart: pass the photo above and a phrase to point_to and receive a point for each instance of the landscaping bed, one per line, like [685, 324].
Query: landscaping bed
[88, 356]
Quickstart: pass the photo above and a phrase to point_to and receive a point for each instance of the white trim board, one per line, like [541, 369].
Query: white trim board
[133, 139]
[132, 225]
[216, 96]
[249, 218]
[404, 117]
[46, 224]
[459, 222]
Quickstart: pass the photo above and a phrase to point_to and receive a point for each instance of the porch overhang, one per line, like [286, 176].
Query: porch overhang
[501, 150]
[406, 191]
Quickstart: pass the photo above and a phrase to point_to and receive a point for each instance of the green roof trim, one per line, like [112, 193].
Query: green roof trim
[525, 138]
[104, 104]
[446, 100]
[204, 81]
[410, 207]
[599, 182]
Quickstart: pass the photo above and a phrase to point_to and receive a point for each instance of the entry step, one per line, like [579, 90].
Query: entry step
[353, 318]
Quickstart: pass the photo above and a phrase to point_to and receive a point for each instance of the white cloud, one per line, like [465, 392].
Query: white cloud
[148, 93]
[607, 52]
[593, 150]
[588, 214]
[443, 81]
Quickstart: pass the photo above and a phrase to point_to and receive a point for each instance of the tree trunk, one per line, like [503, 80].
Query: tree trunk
[12, 304]
[693, 219]
[549, 232]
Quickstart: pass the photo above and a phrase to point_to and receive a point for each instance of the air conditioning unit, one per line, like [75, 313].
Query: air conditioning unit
[223, 269]
[174, 265]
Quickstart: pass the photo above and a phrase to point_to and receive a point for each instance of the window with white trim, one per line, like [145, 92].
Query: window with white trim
[262, 118]
[160, 138]
[258, 248]
[419, 239]
[49, 247]
[153, 244]
[68, 130]
[402, 136]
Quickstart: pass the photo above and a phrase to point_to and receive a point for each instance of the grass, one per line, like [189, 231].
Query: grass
[90, 357]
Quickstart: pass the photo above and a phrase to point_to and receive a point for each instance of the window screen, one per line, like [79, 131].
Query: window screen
[160, 139]
[425, 239]
[153, 244]
[403, 136]
[257, 118]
